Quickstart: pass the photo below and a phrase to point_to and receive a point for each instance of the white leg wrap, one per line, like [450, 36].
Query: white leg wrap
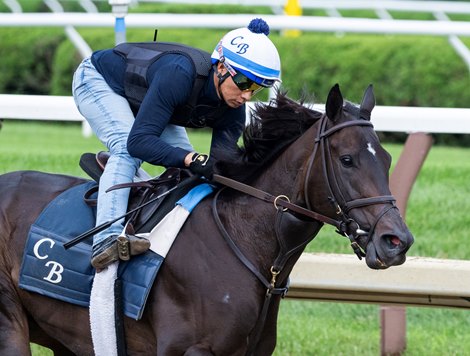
[102, 318]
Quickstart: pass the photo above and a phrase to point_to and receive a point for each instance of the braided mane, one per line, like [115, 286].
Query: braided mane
[273, 126]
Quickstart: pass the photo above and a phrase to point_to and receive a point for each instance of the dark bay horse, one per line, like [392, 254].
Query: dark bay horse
[219, 289]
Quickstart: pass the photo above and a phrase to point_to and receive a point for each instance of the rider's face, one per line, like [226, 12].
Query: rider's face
[228, 90]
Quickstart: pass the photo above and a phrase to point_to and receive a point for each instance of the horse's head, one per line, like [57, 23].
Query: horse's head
[355, 179]
[338, 165]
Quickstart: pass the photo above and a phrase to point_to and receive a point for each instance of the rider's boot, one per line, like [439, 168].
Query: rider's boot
[115, 248]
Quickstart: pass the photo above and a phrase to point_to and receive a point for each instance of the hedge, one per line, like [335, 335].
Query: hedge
[405, 70]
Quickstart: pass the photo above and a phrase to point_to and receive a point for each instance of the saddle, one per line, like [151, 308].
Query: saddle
[143, 189]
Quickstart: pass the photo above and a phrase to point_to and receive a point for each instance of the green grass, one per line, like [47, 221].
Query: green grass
[437, 214]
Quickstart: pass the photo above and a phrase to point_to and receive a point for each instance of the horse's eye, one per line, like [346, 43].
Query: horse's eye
[346, 161]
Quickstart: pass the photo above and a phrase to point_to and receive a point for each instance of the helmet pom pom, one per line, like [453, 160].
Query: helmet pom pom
[259, 26]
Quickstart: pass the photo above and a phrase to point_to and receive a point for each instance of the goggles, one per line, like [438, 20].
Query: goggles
[246, 84]
[243, 82]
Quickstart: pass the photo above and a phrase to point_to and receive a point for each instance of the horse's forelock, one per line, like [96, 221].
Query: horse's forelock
[351, 108]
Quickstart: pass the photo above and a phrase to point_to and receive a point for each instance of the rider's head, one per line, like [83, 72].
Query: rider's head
[250, 57]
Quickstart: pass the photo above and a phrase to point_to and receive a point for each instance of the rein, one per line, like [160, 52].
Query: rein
[277, 201]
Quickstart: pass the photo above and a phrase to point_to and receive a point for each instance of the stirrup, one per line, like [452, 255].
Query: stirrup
[116, 248]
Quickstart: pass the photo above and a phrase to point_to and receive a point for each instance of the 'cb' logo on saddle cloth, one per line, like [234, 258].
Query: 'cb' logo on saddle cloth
[67, 275]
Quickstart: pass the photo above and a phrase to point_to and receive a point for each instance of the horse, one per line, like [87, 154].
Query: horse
[219, 289]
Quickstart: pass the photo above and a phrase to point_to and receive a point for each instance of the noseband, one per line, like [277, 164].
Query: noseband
[346, 225]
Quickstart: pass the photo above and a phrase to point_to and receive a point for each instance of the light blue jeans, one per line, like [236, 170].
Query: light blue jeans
[111, 119]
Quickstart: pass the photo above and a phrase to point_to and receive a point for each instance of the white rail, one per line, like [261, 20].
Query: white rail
[386, 25]
[276, 22]
[384, 118]
[396, 5]
[70, 31]
[41, 107]
[420, 281]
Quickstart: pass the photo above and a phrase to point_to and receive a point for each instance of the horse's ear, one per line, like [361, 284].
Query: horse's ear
[334, 102]
[368, 103]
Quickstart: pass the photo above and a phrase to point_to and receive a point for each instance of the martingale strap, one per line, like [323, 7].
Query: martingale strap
[281, 205]
[270, 286]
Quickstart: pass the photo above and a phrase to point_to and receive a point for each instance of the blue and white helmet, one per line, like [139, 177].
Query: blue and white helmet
[249, 51]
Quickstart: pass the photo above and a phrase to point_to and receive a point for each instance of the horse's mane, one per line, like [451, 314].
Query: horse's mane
[273, 126]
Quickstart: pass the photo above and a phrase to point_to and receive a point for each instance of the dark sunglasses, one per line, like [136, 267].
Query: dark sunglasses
[246, 84]
[243, 82]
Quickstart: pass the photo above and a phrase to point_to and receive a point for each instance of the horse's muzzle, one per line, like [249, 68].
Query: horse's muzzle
[388, 249]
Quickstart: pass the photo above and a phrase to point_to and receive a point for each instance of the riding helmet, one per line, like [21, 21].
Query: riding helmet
[249, 50]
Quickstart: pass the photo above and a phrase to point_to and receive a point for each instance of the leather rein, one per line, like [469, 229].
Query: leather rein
[345, 225]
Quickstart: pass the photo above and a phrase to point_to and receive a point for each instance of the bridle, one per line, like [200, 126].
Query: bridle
[344, 224]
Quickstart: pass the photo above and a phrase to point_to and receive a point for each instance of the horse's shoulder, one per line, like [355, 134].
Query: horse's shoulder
[32, 190]
[39, 179]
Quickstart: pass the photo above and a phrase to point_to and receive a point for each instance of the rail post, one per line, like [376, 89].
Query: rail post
[415, 151]
[119, 9]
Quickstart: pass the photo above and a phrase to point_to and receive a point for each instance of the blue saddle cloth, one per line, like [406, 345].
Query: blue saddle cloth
[67, 275]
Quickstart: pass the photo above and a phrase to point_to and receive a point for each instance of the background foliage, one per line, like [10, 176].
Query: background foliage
[404, 70]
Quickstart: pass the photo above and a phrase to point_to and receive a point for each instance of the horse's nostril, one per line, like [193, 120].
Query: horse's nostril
[395, 240]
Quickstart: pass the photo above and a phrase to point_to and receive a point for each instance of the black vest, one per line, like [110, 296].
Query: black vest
[140, 55]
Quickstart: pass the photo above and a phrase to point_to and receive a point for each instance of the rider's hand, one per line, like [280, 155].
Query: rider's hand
[202, 164]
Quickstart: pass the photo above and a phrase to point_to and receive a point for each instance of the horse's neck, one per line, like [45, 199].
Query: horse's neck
[286, 174]
[252, 221]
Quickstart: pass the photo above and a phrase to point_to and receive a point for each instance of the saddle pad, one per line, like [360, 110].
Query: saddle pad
[67, 275]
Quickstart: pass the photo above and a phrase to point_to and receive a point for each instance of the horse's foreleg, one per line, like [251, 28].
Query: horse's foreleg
[39, 337]
[267, 341]
[14, 333]
[198, 350]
